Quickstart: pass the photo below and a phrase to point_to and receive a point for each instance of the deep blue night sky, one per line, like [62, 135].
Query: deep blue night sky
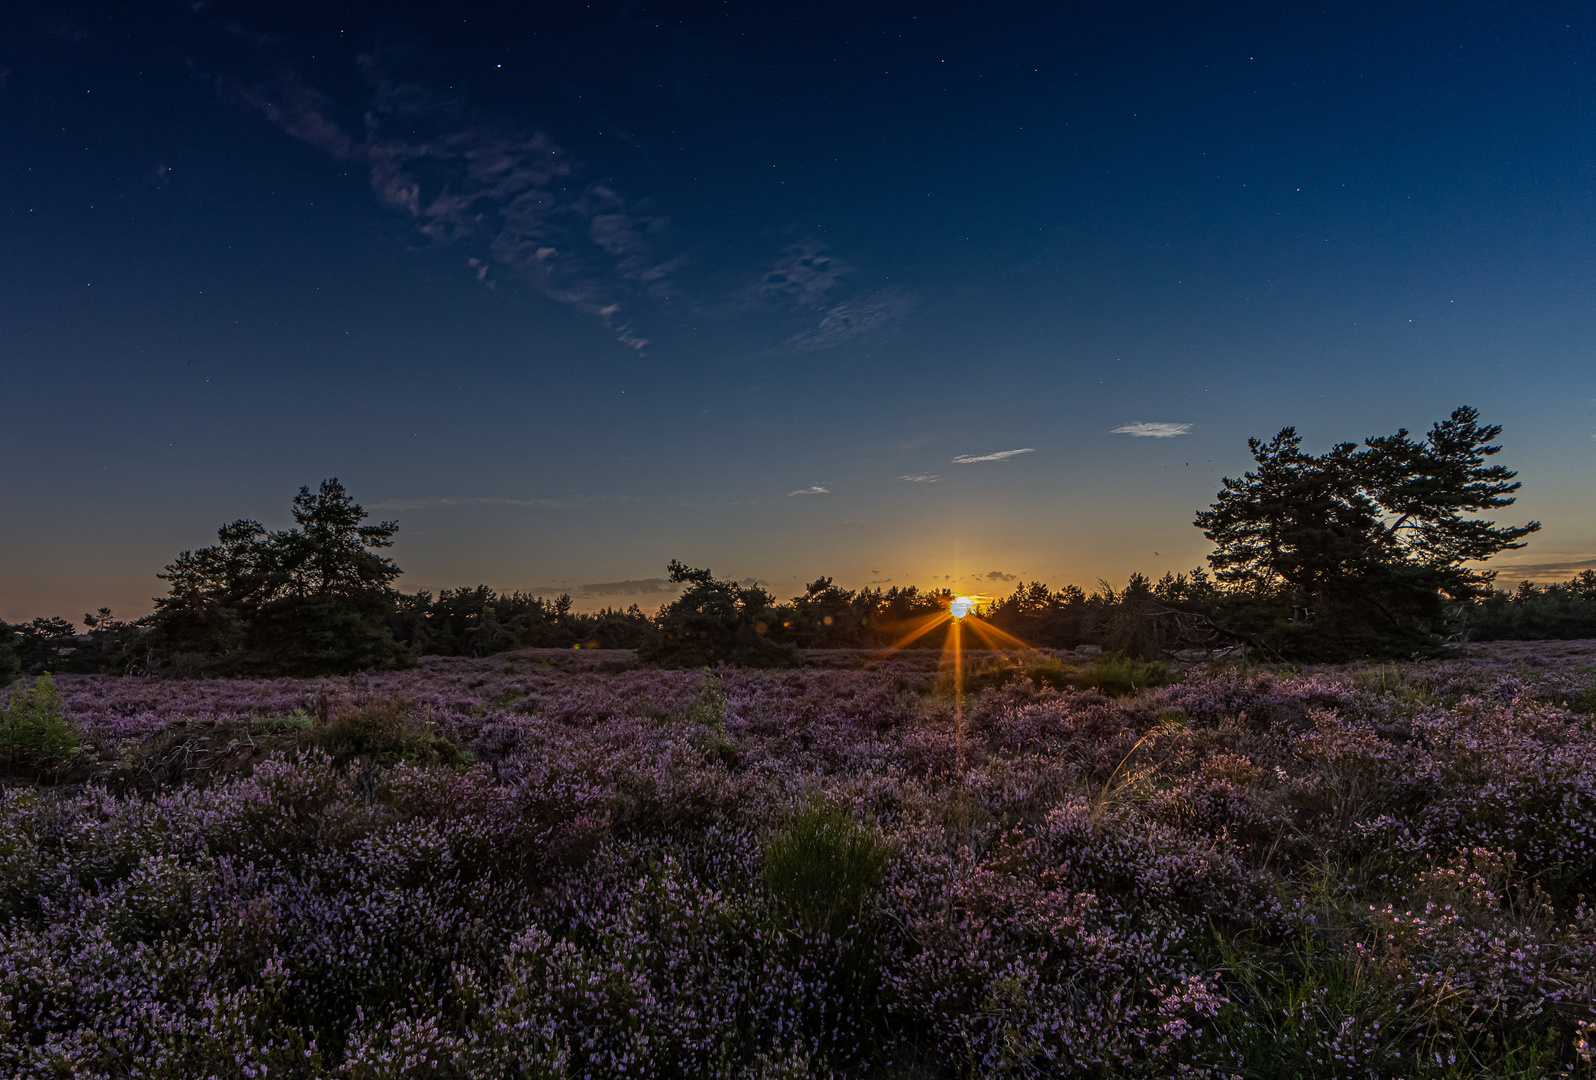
[577, 289]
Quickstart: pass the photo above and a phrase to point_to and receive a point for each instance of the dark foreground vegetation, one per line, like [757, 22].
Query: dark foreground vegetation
[562, 864]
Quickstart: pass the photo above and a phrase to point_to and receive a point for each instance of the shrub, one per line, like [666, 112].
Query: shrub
[1305, 1011]
[1050, 672]
[10, 663]
[981, 674]
[707, 714]
[1113, 674]
[1118, 676]
[716, 622]
[709, 708]
[824, 869]
[33, 735]
[385, 730]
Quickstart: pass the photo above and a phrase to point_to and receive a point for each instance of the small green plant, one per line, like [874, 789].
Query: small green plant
[709, 708]
[503, 700]
[824, 869]
[1403, 683]
[1050, 671]
[1115, 675]
[34, 737]
[1119, 676]
[1304, 1011]
[10, 663]
[298, 720]
[382, 729]
[707, 714]
[1586, 702]
[979, 675]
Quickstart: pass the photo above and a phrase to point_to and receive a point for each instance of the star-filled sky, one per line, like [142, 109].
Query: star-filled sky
[937, 294]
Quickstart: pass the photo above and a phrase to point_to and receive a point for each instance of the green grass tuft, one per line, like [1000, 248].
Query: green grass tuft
[824, 869]
[1119, 676]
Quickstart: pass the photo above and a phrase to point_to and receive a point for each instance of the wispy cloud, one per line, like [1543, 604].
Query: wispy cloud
[640, 587]
[1143, 429]
[922, 478]
[998, 575]
[806, 272]
[807, 277]
[815, 490]
[1550, 569]
[852, 319]
[971, 459]
[514, 196]
[458, 503]
[521, 207]
[300, 111]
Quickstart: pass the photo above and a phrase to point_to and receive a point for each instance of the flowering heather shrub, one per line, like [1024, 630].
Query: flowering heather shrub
[1483, 953]
[620, 872]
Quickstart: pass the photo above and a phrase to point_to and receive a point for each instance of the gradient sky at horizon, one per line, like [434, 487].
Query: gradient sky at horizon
[576, 289]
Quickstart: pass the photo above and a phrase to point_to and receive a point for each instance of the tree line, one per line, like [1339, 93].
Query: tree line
[1368, 550]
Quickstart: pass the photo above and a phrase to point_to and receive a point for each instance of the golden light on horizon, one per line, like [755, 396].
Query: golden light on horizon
[962, 611]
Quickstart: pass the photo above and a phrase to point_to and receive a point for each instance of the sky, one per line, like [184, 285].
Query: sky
[948, 295]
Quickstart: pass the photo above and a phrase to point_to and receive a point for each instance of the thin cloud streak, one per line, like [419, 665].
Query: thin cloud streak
[922, 478]
[640, 587]
[816, 490]
[1545, 571]
[459, 503]
[450, 504]
[971, 459]
[1143, 429]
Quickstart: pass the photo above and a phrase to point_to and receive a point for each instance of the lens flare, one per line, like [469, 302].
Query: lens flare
[961, 612]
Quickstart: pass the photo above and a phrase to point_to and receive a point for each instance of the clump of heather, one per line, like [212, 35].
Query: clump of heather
[556, 866]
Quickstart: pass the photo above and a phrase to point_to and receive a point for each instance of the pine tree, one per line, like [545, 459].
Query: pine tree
[312, 599]
[1361, 550]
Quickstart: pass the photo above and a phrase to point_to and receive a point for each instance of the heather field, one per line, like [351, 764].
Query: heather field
[561, 864]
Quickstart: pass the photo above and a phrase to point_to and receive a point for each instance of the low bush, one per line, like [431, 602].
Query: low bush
[1118, 676]
[1114, 675]
[10, 663]
[977, 675]
[384, 730]
[707, 717]
[824, 869]
[1050, 672]
[34, 738]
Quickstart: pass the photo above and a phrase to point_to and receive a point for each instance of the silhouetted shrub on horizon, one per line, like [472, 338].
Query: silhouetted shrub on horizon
[717, 622]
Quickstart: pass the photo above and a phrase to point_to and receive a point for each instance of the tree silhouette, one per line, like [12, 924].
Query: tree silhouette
[311, 599]
[1363, 546]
